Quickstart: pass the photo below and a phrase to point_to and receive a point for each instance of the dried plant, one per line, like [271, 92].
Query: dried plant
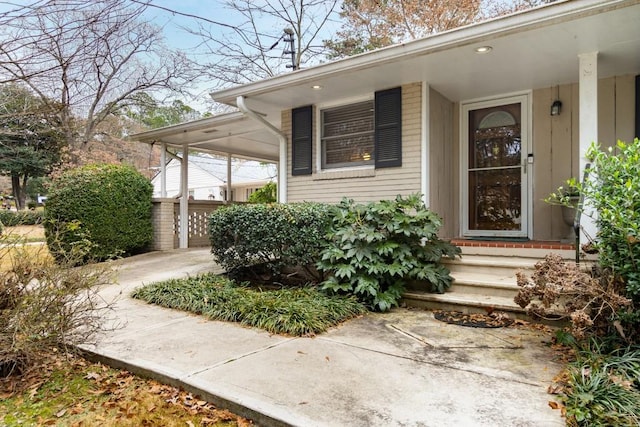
[44, 304]
[560, 290]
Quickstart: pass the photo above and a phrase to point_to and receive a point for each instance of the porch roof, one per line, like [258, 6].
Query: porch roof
[533, 49]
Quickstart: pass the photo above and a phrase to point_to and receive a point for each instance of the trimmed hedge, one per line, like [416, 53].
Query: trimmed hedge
[105, 207]
[13, 218]
[278, 237]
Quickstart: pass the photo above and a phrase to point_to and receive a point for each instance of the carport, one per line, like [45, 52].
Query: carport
[246, 134]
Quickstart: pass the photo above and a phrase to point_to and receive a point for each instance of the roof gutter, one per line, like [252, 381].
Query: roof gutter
[282, 138]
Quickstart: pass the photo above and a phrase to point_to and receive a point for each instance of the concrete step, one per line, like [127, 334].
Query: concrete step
[497, 266]
[463, 302]
[484, 284]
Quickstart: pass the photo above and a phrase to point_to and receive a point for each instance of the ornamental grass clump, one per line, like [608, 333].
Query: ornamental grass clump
[603, 388]
[375, 249]
[302, 311]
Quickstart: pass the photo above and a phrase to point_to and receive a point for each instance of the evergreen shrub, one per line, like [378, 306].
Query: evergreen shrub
[106, 205]
[13, 218]
[274, 238]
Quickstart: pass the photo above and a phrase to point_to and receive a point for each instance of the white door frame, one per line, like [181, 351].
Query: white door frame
[524, 98]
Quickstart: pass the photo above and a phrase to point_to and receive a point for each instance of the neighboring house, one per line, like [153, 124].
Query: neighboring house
[207, 178]
[485, 120]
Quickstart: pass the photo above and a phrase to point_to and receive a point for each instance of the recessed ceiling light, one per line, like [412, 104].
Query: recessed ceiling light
[316, 87]
[484, 49]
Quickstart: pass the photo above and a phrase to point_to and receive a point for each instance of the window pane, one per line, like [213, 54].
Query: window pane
[495, 199]
[347, 135]
[349, 150]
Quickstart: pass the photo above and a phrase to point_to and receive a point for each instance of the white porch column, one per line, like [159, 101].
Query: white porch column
[588, 129]
[184, 198]
[229, 198]
[424, 148]
[163, 170]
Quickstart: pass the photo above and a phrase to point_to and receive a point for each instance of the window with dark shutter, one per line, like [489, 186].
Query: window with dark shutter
[347, 135]
[301, 131]
[388, 128]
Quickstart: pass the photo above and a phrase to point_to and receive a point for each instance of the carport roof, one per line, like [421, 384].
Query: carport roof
[231, 133]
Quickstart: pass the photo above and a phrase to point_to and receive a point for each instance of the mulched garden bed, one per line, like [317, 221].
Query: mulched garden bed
[474, 320]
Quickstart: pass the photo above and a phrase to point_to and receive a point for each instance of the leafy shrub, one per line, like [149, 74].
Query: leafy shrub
[375, 249]
[13, 218]
[266, 194]
[612, 192]
[560, 290]
[44, 304]
[299, 311]
[107, 205]
[277, 237]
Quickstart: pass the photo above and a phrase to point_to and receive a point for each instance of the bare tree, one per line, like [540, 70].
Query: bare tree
[257, 46]
[372, 24]
[88, 57]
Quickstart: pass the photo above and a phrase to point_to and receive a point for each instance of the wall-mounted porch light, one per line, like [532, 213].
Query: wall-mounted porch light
[556, 107]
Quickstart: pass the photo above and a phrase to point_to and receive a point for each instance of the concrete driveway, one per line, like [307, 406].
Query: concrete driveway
[402, 368]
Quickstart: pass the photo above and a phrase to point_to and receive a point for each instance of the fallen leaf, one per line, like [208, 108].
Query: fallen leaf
[327, 358]
[302, 403]
[92, 376]
[553, 404]
[61, 413]
[190, 424]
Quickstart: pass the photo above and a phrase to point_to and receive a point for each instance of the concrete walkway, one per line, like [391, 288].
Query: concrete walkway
[402, 368]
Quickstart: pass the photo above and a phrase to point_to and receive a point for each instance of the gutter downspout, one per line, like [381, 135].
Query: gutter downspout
[282, 138]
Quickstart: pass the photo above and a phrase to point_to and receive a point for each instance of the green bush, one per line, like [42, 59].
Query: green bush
[106, 205]
[266, 194]
[375, 249]
[276, 237]
[612, 194]
[13, 218]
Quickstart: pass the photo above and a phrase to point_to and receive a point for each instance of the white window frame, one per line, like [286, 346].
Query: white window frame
[318, 131]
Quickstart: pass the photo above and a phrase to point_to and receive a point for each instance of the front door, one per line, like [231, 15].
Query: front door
[495, 160]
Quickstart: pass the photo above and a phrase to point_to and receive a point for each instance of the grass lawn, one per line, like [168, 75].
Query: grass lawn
[32, 233]
[291, 311]
[70, 391]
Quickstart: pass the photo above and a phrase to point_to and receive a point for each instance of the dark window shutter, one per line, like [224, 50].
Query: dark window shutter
[388, 128]
[301, 131]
